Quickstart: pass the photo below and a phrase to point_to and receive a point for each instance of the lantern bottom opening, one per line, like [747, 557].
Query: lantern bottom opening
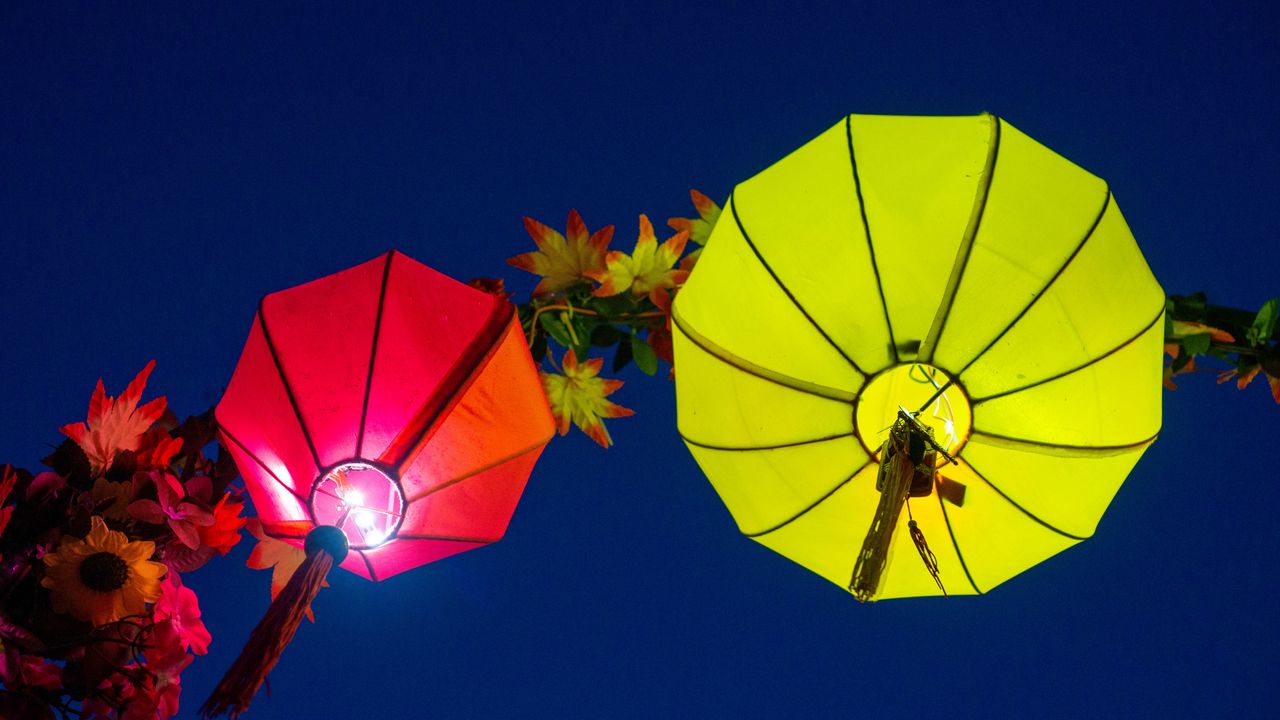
[361, 499]
[912, 385]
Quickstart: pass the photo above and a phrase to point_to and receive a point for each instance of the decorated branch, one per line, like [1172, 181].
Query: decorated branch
[1246, 342]
[591, 299]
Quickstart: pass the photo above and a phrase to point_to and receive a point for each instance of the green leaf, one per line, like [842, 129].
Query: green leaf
[646, 360]
[623, 357]
[556, 329]
[1168, 317]
[615, 305]
[1196, 344]
[1264, 323]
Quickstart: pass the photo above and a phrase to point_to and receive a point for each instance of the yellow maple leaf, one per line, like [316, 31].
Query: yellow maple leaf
[578, 396]
[115, 424]
[563, 261]
[283, 559]
[647, 268]
[699, 228]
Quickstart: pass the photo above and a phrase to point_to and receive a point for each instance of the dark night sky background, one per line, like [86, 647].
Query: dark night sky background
[161, 168]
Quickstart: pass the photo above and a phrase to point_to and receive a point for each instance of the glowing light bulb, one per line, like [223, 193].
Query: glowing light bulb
[361, 500]
[367, 522]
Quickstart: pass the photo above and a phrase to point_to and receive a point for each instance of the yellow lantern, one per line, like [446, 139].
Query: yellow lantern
[949, 269]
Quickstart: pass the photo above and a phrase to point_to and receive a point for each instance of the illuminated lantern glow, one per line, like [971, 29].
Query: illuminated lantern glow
[383, 417]
[947, 265]
[391, 401]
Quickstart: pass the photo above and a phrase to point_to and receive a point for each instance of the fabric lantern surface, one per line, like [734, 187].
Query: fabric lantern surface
[392, 402]
[951, 265]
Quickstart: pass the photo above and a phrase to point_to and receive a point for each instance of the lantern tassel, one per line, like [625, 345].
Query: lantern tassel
[907, 460]
[922, 547]
[894, 483]
[325, 546]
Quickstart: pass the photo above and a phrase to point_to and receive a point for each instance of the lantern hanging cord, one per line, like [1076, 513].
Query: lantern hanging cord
[941, 397]
[922, 547]
[936, 395]
[941, 389]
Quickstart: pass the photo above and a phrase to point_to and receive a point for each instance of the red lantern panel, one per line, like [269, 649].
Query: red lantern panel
[392, 402]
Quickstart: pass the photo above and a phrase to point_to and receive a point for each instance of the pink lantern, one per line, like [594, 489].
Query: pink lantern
[392, 403]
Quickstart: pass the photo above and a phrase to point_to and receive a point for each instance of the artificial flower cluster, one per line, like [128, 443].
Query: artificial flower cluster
[95, 619]
[592, 297]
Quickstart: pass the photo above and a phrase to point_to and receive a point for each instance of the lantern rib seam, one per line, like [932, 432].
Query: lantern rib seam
[352, 548]
[470, 474]
[368, 565]
[293, 402]
[761, 372]
[223, 429]
[733, 207]
[450, 538]
[812, 505]
[866, 227]
[964, 251]
[1065, 449]
[1106, 202]
[477, 354]
[1021, 509]
[282, 536]
[956, 544]
[708, 446]
[1078, 368]
[373, 351]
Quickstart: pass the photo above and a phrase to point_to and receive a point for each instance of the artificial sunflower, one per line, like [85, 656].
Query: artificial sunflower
[103, 577]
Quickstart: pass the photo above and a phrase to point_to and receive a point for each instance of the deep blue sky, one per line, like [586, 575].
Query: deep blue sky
[162, 168]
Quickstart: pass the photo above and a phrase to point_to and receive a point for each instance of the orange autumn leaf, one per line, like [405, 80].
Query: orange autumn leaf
[699, 228]
[660, 337]
[224, 532]
[649, 267]
[563, 261]
[578, 396]
[115, 424]
[1183, 328]
[1275, 387]
[1243, 378]
[280, 556]
[493, 286]
[156, 448]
